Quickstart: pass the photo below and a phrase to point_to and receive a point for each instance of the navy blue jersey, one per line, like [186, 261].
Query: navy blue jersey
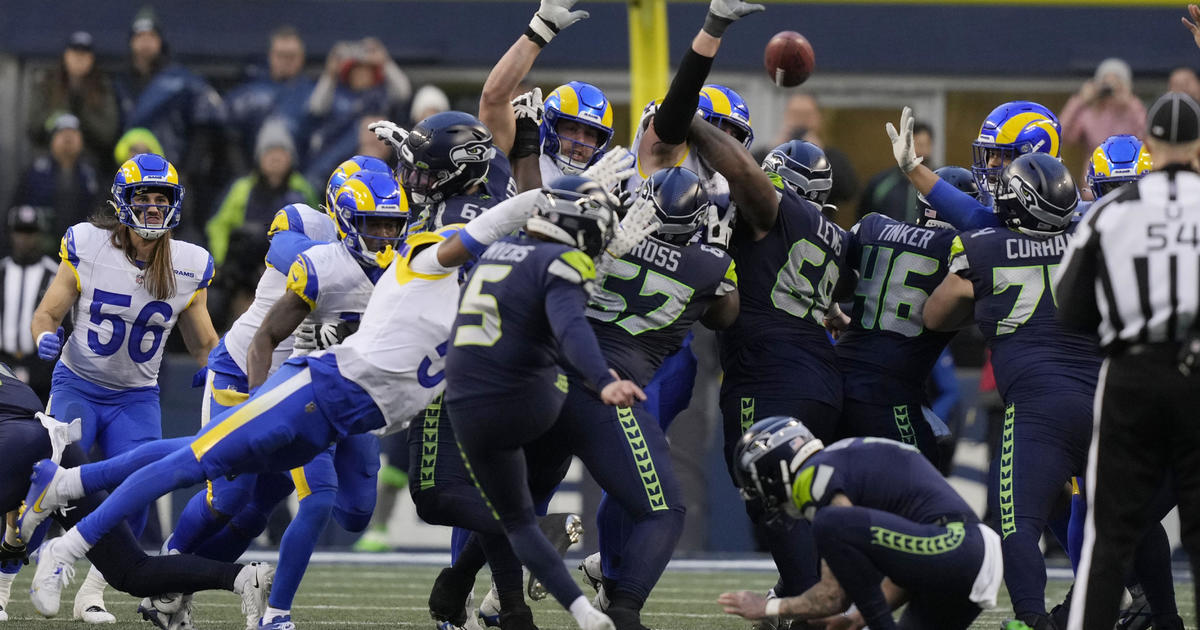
[786, 283]
[17, 400]
[498, 186]
[521, 309]
[650, 298]
[1015, 307]
[887, 353]
[879, 474]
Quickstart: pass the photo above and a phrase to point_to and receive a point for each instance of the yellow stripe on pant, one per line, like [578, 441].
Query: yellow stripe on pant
[301, 483]
[253, 408]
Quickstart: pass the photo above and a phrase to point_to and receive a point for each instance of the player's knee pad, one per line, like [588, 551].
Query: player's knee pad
[352, 521]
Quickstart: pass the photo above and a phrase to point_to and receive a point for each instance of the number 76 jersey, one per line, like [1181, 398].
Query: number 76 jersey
[120, 328]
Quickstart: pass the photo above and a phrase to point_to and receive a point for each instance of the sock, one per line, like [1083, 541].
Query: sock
[70, 484]
[91, 592]
[274, 613]
[73, 545]
[297, 545]
[581, 609]
[6, 581]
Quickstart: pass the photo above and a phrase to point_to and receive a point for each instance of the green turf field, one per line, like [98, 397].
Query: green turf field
[346, 596]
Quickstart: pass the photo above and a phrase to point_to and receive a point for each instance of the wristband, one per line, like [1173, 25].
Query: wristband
[540, 31]
[715, 25]
[773, 607]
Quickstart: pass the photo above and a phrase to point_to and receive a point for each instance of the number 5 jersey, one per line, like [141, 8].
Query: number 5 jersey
[120, 328]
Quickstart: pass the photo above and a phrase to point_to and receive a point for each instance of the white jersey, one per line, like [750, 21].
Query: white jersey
[398, 354]
[715, 185]
[550, 169]
[120, 329]
[299, 218]
[330, 280]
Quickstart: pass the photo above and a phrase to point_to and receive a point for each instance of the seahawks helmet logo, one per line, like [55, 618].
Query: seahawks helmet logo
[472, 151]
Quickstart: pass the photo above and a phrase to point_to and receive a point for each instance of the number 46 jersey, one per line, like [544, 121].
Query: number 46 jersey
[120, 328]
[887, 353]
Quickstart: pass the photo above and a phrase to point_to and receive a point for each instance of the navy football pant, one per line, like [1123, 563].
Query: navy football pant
[904, 422]
[936, 563]
[492, 434]
[117, 555]
[790, 543]
[1043, 444]
[626, 452]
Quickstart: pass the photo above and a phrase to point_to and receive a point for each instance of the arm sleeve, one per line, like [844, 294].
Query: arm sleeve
[565, 305]
[959, 209]
[285, 247]
[321, 98]
[1075, 282]
[674, 116]
[946, 384]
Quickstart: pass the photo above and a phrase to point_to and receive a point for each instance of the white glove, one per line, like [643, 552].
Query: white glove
[390, 133]
[902, 142]
[528, 106]
[553, 16]
[733, 10]
[639, 222]
[612, 169]
[720, 228]
[311, 337]
[61, 434]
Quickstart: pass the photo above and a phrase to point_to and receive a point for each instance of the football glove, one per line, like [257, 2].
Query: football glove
[720, 228]
[612, 169]
[639, 222]
[389, 133]
[312, 337]
[13, 552]
[551, 17]
[902, 142]
[49, 344]
[722, 13]
[527, 108]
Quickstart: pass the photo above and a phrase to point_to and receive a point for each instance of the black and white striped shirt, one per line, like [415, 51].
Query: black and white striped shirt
[23, 287]
[1132, 270]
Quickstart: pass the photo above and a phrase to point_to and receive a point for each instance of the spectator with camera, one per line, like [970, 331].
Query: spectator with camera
[1104, 106]
[359, 78]
[76, 85]
[282, 93]
[62, 179]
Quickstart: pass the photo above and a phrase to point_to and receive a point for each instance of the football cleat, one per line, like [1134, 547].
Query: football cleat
[520, 618]
[562, 530]
[95, 614]
[3, 614]
[489, 609]
[54, 571]
[446, 598]
[595, 620]
[278, 623]
[160, 619]
[182, 619]
[255, 586]
[1137, 616]
[43, 498]
[625, 618]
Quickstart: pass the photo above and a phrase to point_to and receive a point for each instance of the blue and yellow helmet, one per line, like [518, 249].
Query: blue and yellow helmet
[727, 111]
[1011, 130]
[371, 209]
[581, 103]
[1118, 160]
[345, 170]
[143, 173]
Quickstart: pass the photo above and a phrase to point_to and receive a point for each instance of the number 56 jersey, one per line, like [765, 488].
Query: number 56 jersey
[1016, 309]
[120, 328]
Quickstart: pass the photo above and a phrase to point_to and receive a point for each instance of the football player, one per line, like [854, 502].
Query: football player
[127, 283]
[376, 380]
[777, 357]
[521, 313]
[887, 354]
[1118, 160]
[641, 312]
[27, 435]
[1045, 372]
[1009, 131]
[888, 527]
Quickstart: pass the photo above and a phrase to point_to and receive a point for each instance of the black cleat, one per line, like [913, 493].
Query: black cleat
[517, 619]
[625, 618]
[562, 530]
[446, 598]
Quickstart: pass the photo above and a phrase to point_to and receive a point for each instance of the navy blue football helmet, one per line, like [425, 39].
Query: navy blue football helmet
[1037, 195]
[803, 167]
[959, 178]
[575, 211]
[765, 462]
[444, 156]
[679, 201]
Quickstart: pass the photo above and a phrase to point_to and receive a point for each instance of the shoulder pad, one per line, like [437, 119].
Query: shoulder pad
[573, 266]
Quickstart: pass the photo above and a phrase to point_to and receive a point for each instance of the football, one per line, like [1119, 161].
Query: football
[789, 59]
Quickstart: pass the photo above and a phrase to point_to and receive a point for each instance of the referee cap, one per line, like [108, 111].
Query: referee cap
[1174, 118]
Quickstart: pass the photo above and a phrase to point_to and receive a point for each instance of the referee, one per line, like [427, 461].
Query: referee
[1132, 272]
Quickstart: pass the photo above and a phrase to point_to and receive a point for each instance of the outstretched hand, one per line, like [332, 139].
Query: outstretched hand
[744, 604]
[1193, 25]
[612, 169]
[903, 147]
[390, 133]
[639, 222]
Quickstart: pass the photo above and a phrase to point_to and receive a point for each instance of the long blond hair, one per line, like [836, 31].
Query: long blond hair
[159, 273]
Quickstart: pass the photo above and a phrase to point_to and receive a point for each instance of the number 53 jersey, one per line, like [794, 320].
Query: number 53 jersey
[120, 328]
[1016, 309]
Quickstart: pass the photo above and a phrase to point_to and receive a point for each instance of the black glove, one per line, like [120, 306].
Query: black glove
[10, 552]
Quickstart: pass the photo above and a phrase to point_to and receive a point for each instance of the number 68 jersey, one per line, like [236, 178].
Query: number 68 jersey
[120, 328]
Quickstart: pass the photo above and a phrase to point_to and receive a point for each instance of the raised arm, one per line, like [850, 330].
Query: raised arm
[495, 108]
[756, 197]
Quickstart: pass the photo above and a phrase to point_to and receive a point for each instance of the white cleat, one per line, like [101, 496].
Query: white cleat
[43, 498]
[3, 614]
[596, 620]
[182, 619]
[594, 576]
[489, 609]
[54, 571]
[254, 585]
[95, 614]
